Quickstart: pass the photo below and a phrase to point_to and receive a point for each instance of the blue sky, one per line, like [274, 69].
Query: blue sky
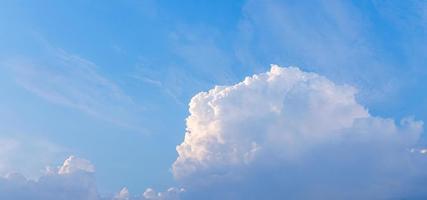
[111, 81]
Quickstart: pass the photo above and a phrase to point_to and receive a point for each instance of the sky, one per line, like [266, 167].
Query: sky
[154, 99]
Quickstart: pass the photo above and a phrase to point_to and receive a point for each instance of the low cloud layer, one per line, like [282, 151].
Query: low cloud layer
[149, 194]
[289, 134]
[73, 180]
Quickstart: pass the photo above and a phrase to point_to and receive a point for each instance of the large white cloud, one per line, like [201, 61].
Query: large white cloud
[295, 135]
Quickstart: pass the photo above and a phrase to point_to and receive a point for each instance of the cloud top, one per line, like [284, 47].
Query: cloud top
[73, 180]
[299, 133]
[73, 164]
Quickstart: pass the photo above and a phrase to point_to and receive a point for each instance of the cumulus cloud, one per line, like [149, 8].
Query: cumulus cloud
[289, 134]
[76, 182]
[122, 195]
[73, 180]
[74, 164]
[172, 193]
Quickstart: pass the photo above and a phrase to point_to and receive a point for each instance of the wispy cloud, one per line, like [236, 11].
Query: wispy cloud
[198, 61]
[72, 81]
[176, 83]
[335, 38]
[199, 49]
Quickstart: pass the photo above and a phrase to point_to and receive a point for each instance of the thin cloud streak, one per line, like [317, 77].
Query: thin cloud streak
[71, 81]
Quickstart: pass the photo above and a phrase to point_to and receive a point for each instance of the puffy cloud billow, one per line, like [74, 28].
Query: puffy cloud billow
[150, 194]
[73, 180]
[289, 134]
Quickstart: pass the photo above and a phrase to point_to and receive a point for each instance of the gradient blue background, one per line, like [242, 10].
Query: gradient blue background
[161, 53]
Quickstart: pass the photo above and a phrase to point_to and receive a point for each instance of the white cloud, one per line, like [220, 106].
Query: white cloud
[170, 194]
[417, 150]
[73, 164]
[289, 134]
[122, 195]
[78, 183]
[73, 180]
